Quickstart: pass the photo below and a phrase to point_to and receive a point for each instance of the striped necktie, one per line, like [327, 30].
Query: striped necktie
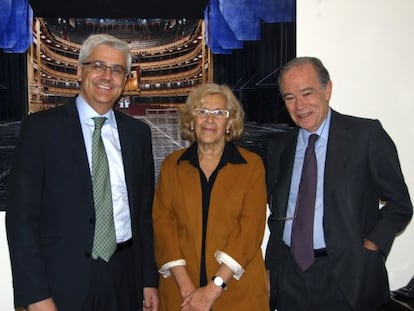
[104, 243]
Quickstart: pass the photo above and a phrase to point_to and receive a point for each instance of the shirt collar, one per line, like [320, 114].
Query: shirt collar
[230, 155]
[322, 131]
[86, 112]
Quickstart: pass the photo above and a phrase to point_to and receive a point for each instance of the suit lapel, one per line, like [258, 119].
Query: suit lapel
[224, 184]
[337, 153]
[127, 158]
[286, 161]
[76, 141]
[189, 177]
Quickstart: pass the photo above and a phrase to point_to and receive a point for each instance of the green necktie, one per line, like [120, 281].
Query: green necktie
[104, 243]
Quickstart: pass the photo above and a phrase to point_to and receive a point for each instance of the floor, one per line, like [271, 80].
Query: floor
[8, 139]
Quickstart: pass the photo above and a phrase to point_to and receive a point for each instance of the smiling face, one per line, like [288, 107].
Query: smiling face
[101, 89]
[211, 130]
[306, 100]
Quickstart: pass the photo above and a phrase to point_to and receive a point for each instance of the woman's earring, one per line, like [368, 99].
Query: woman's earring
[192, 127]
[227, 131]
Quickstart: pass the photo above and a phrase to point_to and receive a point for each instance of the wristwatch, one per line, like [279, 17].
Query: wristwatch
[218, 281]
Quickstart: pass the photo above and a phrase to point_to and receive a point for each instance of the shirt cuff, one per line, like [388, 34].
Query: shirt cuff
[165, 269]
[234, 266]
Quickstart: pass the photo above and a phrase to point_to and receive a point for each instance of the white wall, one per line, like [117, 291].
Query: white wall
[368, 47]
[6, 289]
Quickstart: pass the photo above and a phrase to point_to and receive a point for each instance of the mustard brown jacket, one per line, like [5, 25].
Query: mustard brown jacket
[236, 221]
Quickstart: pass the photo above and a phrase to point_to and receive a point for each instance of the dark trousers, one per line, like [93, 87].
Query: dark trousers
[113, 286]
[312, 290]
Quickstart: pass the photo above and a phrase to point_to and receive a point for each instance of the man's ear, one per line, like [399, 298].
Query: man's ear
[328, 91]
[126, 79]
[79, 73]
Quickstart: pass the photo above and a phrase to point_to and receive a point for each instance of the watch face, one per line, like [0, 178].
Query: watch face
[218, 281]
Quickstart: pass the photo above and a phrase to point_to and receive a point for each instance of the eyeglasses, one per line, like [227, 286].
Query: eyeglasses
[100, 67]
[218, 113]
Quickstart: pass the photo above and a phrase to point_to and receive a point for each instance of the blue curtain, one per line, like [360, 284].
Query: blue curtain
[242, 18]
[16, 18]
[276, 11]
[219, 36]
[229, 23]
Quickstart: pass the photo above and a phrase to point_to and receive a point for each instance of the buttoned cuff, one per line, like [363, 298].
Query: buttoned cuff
[165, 269]
[234, 266]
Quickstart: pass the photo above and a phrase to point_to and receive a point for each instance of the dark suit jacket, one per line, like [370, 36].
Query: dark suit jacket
[50, 216]
[361, 167]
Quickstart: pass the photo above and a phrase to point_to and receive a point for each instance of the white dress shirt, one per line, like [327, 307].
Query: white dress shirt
[320, 151]
[112, 144]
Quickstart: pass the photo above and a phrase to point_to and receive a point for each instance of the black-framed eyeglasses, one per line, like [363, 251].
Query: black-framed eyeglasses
[100, 67]
[217, 113]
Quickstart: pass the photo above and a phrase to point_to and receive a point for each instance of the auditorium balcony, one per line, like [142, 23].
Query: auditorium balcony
[169, 58]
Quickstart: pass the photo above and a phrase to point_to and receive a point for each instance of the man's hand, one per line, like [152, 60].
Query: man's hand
[43, 305]
[370, 245]
[151, 300]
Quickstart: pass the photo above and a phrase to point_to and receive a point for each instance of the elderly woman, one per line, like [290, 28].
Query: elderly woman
[209, 212]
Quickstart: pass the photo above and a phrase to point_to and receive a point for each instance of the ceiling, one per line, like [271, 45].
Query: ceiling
[119, 8]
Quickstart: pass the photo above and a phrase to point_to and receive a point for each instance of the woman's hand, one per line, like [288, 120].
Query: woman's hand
[183, 280]
[202, 299]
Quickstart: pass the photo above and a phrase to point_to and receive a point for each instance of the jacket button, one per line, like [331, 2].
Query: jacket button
[92, 221]
[87, 255]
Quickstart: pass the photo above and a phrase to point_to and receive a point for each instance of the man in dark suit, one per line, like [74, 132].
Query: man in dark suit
[361, 204]
[51, 212]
